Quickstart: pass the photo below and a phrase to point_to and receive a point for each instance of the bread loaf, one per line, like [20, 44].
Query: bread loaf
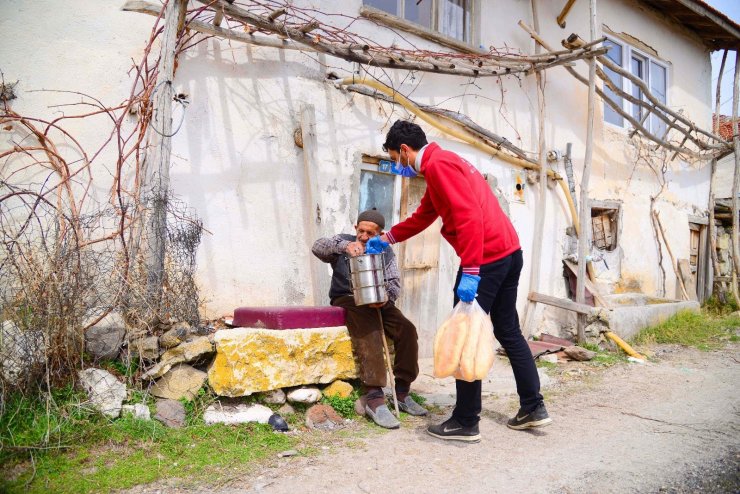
[448, 345]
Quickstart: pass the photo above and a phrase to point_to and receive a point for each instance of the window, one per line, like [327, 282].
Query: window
[449, 17]
[381, 190]
[647, 69]
[604, 228]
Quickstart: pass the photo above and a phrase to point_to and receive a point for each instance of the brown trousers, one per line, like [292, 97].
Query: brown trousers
[365, 332]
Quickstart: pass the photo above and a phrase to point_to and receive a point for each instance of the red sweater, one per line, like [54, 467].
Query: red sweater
[472, 219]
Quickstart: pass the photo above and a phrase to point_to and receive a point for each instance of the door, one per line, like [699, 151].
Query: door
[419, 264]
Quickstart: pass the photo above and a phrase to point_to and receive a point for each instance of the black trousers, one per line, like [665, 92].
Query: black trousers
[497, 295]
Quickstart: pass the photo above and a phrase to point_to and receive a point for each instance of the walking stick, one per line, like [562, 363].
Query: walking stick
[391, 379]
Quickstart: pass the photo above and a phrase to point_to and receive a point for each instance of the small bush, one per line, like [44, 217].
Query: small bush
[343, 406]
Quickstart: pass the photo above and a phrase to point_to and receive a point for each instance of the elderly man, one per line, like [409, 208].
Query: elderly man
[364, 326]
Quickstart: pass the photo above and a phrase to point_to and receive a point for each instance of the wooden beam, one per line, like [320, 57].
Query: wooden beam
[149, 8]
[584, 242]
[155, 167]
[735, 180]
[564, 13]
[562, 303]
[541, 209]
[413, 28]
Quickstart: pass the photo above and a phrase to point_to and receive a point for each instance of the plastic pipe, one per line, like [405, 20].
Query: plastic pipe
[623, 345]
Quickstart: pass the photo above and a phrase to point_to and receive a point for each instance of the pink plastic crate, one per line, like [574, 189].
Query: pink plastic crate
[288, 317]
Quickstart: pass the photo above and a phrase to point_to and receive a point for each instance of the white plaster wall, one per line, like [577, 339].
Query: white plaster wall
[235, 162]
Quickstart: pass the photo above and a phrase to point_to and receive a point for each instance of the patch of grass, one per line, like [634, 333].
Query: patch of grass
[714, 307]
[704, 330]
[418, 398]
[544, 364]
[60, 446]
[343, 406]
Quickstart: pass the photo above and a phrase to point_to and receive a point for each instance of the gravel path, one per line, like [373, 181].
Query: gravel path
[669, 426]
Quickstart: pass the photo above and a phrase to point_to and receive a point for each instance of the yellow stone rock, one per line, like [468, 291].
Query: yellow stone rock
[338, 388]
[249, 360]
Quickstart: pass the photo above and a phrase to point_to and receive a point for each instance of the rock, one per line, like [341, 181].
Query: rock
[323, 417]
[278, 423]
[139, 411]
[104, 340]
[146, 348]
[286, 409]
[274, 397]
[288, 453]
[338, 388]
[175, 336]
[185, 352]
[171, 413]
[106, 393]
[236, 414]
[20, 352]
[182, 381]
[579, 353]
[304, 395]
[549, 357]
[250, 360]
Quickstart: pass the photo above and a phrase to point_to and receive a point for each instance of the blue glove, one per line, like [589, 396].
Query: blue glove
[408, 171]
[468, 287]
[375, 246]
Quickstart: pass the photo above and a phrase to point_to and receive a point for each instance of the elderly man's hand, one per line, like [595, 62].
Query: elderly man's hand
[355, 249]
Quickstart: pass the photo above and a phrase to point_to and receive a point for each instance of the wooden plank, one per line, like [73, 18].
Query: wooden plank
[684, 270]
[320, 280]
[562, 303]
[590, 286]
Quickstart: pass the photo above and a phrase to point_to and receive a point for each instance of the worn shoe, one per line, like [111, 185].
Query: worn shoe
[409, 406]
[383, 417]
[451, 430]
[536, 418]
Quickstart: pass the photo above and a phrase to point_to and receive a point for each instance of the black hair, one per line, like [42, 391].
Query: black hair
[405, 132]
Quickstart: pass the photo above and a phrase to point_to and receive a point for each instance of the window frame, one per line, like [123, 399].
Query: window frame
[375, 168]
[472, 29]
[628, 51]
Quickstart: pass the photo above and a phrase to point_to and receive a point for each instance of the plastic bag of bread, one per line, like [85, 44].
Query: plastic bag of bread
[464, 344]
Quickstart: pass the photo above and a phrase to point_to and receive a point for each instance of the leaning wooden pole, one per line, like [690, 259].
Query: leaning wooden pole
[585, 213]
[712, 227]
[541, 209]
[155, 168]
[735, 181]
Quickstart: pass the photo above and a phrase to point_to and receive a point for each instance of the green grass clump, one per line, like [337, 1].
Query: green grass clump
[59, 445]
[343, 406]
[704, 330]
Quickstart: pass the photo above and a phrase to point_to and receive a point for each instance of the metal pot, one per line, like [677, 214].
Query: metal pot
[367, 275]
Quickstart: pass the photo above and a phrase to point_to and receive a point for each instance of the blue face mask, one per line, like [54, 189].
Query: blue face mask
[406, 171]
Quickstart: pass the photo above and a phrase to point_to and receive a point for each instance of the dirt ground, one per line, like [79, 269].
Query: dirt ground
[672, 425]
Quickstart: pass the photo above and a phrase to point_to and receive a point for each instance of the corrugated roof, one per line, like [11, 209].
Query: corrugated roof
[716, 29]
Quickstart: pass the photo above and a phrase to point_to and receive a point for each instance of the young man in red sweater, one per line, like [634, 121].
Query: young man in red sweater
[490, 264]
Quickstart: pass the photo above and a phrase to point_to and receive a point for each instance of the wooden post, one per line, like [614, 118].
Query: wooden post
[585, 213]
[155, 167]
[541, 209]
[314, 210]
[736, 180]
[712, 227]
